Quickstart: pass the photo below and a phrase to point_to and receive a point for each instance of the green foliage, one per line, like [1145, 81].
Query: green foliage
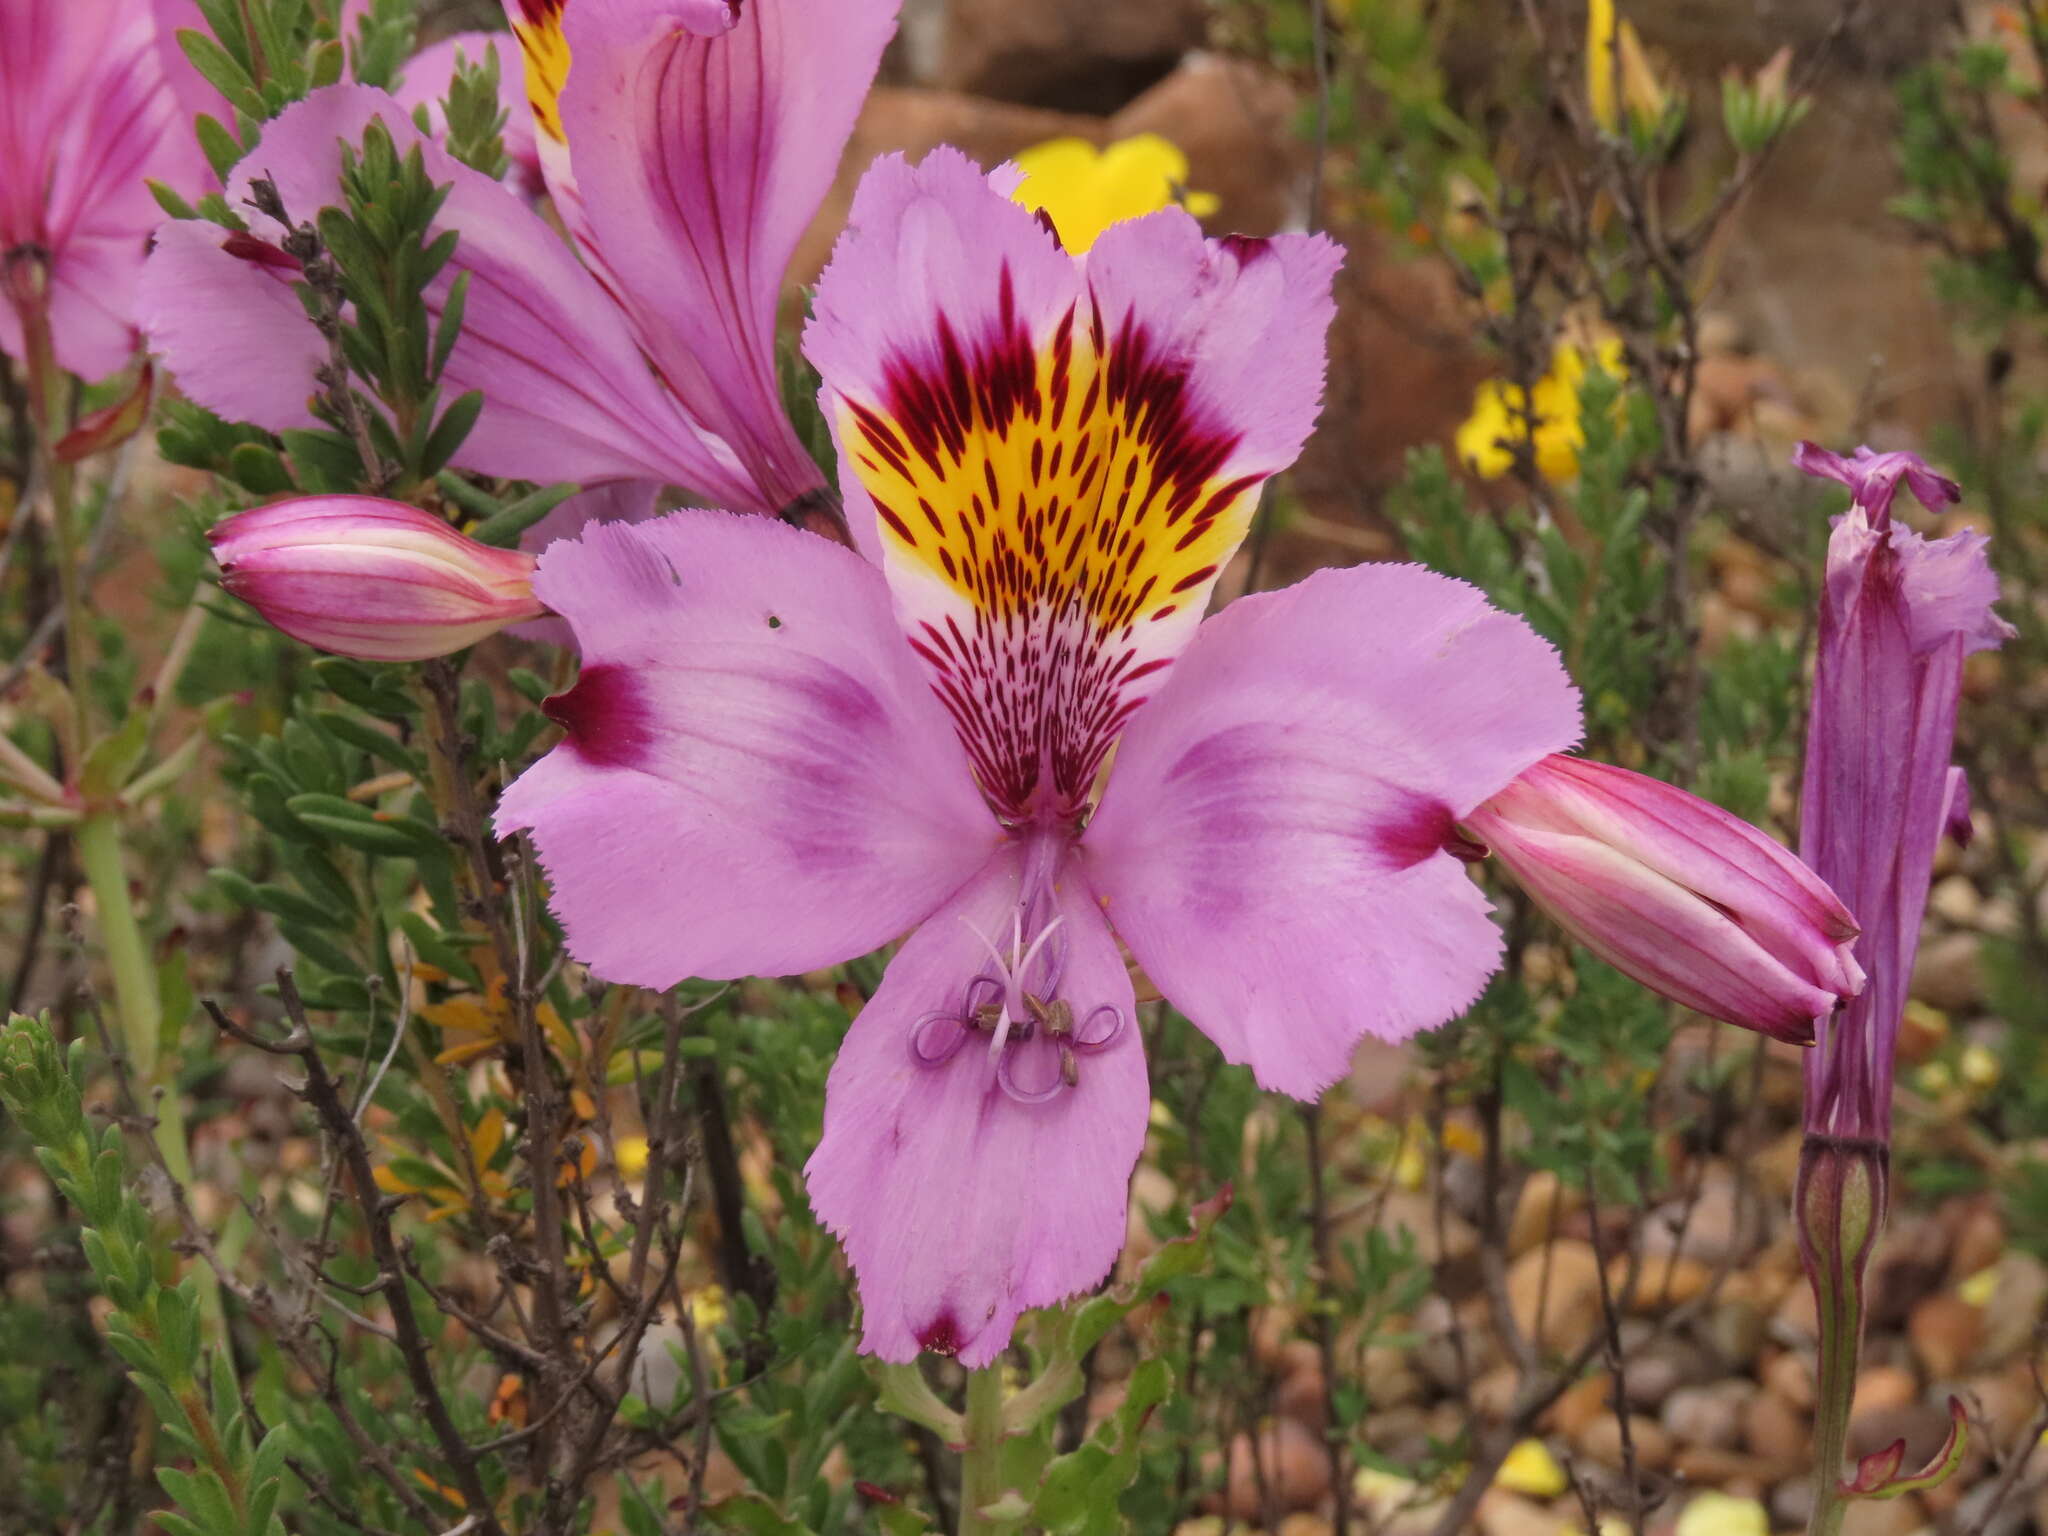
[233, 1486]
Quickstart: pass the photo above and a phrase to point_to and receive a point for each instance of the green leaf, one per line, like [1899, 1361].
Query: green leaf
[502, 529]
[450, 432]
[111, 761]
[258, 468]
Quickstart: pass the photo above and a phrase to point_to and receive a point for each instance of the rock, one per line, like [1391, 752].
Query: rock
[1493, 1395]
[1716, 1514]
[1601, 1442]
[1734, 1330]
[1666, 1280]
[1077, 55]
[1946, 1332]
[1580, 1404]
[1775, 1431]
[1903, 1516]
[1718, 1226]
[1293, 1466]
[1302, 1397]
[1911, 1259]
[1710, 1416]
[1948, 973]
[1554, 1295]
[1790, 1375]
[1731, 1471]
[915, 121]
[1541, 1204]
[1881, 1389]
[1797, 1319]
[1977, 1238]
[1792, 1502]
[1922, 1426]
[2019, 1297]
[1654, 1373]
[1506, 1514]
[1236, 121]
[1304, 1525]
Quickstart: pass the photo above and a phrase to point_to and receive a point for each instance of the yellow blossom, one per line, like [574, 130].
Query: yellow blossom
[1084, 190]
[1979, 1288]
[1503, 414]
[1721, 1514]
[1979, 1066]
[1614, 54]
[1600, 63]
[1531, 1469]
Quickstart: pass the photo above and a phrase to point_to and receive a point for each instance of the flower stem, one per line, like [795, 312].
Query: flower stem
[1839, 1203]
[981, 1475]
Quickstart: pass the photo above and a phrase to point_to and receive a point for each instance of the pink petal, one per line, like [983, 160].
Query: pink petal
[230, 328]
[700, 158]
[569, 396]
[1271, 841]
[960, 1207]
[755, 778]
[85, 118]
[1060, 457]
[622, 501]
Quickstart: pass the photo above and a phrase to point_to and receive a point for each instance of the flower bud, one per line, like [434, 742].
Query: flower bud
[369, 578]
[1673, 891]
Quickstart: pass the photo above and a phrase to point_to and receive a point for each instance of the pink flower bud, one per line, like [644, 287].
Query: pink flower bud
[1673, 891]
[375, 579]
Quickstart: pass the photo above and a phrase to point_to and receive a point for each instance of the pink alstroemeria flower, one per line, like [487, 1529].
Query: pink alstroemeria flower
[1676, 893]
[85, 118]
[362, 576]
[779, 756]
[687, 146]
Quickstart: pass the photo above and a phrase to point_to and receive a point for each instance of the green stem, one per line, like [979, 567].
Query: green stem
[136, 1002]
[981, 1474]
[1841, 1331]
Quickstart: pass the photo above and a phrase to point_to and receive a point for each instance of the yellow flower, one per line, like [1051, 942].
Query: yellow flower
[1979, 1066]
[1500, 418]
[1084, 190]
[1614, 53]
[1531, 1469]
[1721, 1514]
[474, 1024]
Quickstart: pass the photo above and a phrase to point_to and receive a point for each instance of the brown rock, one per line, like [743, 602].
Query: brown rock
[1977, 1241]
[1077, 55]
[1541, 1205]
[1797, 1320]
[1903, 1516]
[1554, 1294]
[1776, 1432]
[1237, 124]
[1722, 1223]
[1665, 1281]
[1301, 1396]
[1708, 1417]
[1921, 1425]
[1882, 1389]
[1601, 1441]
[1293, 1464]
[1946, 1331]
[1948, 973]
[1911, 1258]
[1509, 1514]
[915, 121]
[1790, 1375]
[2014, 1312]
[1708, 1466]
[1580, 1404]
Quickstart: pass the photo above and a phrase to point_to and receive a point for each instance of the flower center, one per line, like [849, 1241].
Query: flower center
[1035, 1040]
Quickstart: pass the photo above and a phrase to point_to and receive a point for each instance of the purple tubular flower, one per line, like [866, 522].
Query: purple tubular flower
[804, 754]
[85, 117]
[1898, 615]
[1673, 891]
[375, 579]
[686, 143]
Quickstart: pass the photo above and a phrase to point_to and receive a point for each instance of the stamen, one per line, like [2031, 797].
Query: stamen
[1093, 1037]
[1006, 1080]
[936, 1038]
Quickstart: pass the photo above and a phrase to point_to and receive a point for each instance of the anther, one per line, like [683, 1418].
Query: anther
[1070, 1069]
[1059, 1019]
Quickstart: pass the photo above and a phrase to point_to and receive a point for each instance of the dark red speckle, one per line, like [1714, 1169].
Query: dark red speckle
[605, 716]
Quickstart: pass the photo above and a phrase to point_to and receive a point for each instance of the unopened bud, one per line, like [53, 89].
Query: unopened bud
[374, 579]
[1670, 889]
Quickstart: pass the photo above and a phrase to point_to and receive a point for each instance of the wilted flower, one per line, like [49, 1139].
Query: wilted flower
[1898, 615]
[85, 118]
[1615, 57]
[1084, 190]
[779, 756]
[375, 579]
[1694, 903]
[686, 148]
[1547, 417]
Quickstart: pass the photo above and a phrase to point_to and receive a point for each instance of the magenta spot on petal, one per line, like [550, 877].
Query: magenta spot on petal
[1410, 832]
[1246, 248]
[605, 716]
[942, 1336]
